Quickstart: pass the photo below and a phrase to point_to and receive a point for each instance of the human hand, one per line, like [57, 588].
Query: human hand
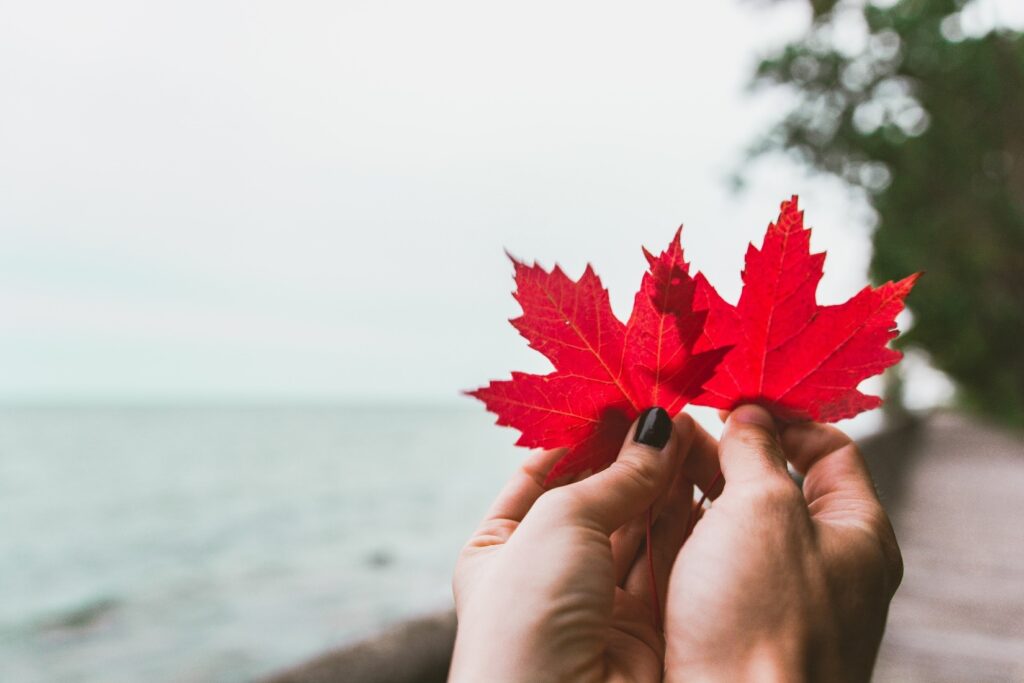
[775, 584]
[553, 585]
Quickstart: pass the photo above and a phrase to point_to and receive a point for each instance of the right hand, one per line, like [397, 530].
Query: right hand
[779, 584]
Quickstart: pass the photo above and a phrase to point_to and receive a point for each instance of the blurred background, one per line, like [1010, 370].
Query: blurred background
[250, 252]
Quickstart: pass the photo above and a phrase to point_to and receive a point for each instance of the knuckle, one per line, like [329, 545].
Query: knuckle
[493, 532]
[780, 493]
[533, 472]
[636, 471]
[560, 502]
[834, 438]
[760, 442]
[684, 423]
[880, 550]
[892, 556]
[896, 567]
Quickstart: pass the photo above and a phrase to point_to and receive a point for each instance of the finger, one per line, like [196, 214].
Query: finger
[749, 450]
[525, 487]
[626, 540]
[805, 442]
[839, 489]
[835, 471]
[667, 537]
[644, 468]
[701, 464]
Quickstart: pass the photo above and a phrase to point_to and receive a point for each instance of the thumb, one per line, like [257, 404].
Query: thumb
[643, 471]
[749, 450]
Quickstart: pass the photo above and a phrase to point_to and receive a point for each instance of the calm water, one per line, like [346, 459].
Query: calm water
[218, 544]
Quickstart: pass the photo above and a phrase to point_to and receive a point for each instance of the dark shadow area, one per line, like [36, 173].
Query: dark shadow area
[415, 651]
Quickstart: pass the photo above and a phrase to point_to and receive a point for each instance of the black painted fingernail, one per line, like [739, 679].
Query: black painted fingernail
[653, 428]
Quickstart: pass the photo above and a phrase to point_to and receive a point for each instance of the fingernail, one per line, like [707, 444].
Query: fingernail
[753, 415]
[653, 428]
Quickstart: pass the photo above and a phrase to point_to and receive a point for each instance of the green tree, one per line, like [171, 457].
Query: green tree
[930, 123]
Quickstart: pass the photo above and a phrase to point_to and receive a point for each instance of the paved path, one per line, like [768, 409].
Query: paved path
[957, 501]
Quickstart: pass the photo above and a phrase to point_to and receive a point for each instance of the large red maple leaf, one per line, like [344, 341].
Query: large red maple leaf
[606, 372]
[800, 360]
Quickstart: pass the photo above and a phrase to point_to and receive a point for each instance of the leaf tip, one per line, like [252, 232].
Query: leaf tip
[511, 257]
[909, 281]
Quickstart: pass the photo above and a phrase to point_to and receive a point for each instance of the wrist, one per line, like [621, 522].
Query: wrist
[785, 659]
[497, 656]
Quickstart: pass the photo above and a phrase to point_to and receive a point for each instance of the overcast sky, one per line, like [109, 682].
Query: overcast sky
[218, 200]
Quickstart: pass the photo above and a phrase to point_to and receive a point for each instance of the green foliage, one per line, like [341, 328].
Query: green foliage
[931, 125]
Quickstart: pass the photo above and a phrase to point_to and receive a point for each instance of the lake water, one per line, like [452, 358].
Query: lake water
[217, 544]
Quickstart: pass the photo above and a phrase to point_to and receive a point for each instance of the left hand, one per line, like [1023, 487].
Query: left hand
[554, 585]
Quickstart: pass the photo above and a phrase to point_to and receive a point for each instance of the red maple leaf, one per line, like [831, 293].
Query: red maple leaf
[606, 372]
[800, 360]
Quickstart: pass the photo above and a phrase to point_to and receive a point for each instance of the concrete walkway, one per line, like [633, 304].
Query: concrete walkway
[955, 490]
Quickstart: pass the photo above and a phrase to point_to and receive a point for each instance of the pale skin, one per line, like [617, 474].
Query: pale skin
[775, 583]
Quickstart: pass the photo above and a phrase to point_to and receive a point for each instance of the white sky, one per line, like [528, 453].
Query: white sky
[250, 199]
